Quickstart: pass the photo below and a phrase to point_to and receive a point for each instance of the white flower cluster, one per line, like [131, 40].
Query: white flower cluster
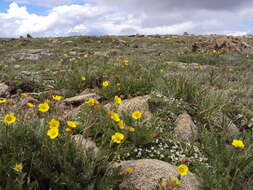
[167, 150]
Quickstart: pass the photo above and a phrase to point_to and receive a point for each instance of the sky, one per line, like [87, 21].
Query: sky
[53, 18]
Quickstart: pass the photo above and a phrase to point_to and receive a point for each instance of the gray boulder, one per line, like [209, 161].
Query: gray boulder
[147, 173]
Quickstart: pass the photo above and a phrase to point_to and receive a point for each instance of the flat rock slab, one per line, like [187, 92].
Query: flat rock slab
[81, 98]
[147, 173]
[194, 66]
[31, 54]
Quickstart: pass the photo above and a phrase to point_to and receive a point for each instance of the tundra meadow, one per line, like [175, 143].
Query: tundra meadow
[73, 109]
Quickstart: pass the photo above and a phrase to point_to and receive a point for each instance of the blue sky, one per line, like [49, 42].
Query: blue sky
[50, 18]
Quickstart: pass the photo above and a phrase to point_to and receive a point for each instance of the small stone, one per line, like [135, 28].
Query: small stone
[3, 89]
[85, 144]
[185, 128]
[67, 42]
[87, 41]
[113, 52]
[119, 42]
[73, 53]
[71, 113]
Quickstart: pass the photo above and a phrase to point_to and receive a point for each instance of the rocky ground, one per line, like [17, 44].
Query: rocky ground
[195, 94]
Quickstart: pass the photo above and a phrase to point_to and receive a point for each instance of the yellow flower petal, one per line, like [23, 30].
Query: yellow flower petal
[53, 133]
[9, 118]
[43, 107]
[117, 100]
[105, 83]
[120, 124]
[3, 101]
[136, 115]
[30, 105]
[72, 124]
[115, 117]
[18, 167]
[54, 123]
[118, 137]
[238, 143]
[183, 169]
[68, 130]
[57, 98]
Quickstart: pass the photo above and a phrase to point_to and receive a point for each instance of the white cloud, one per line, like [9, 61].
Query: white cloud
[60, 20]
[236, 33]
[88, 19]
[45, 3]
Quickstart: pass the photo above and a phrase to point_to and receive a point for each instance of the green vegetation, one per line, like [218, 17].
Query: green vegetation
[216, 95]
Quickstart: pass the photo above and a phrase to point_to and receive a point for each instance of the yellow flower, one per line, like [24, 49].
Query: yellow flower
[83, 78]
[18, 167]
[118, 137]
[105, 83]
[68, 130]
[129, 170]
[91, 102]
[183, 169]
[161, 70]
[30, 105]
[3, 101]
[117, 100]
[131, 129]
[126, 62]
[109, 112]
[72, 124]
[24, 95]
[120, 124]
[115, 117]
[238, 143]
[57, 98]
[43, 107]
[175, 182]
[54, 123]
[136, 115]
[53, 133]
[9, 118]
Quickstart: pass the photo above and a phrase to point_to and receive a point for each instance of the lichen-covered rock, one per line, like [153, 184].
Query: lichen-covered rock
[224, 121]
[31, 54]
[85, 144]
[81, 98]
[147, 173]
[193, 66]
[139, 103]
[3, 89]
[185, 128]
[71, 113]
